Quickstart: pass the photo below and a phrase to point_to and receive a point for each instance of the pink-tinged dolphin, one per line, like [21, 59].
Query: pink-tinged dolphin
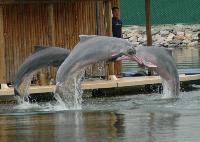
[162, 62]
[92, 49]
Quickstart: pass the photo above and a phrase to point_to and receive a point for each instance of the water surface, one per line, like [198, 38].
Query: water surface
[120, 119]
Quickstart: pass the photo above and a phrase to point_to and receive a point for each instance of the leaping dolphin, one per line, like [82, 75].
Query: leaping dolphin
[89, 50]
[43, 57]
[160, 60]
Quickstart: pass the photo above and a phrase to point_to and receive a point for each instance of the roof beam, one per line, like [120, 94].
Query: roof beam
[4, 2]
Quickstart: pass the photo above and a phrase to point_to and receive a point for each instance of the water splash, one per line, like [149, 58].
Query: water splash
[39, 107]
[24, 90]
[70, 92]
[167, 92]
[69, 97]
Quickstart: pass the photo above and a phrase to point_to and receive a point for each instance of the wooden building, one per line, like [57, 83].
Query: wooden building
[25, 23]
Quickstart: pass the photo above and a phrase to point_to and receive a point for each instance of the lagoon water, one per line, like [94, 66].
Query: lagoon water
[140, 118]
[127, 118]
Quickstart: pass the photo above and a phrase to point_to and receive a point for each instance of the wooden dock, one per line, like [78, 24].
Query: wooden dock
[100, 84]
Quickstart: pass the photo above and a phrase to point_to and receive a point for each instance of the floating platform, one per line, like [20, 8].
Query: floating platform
[105, 84]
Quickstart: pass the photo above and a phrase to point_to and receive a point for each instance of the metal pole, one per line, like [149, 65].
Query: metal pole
[148, 22]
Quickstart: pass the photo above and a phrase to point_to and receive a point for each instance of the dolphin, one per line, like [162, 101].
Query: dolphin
[42, 57]
[160, 60]
[89, 50]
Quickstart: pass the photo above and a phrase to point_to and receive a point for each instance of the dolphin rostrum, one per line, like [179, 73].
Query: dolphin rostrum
[43, 57]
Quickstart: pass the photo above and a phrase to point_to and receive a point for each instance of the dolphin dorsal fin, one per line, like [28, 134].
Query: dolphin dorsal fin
[86, 37]
[38, 48]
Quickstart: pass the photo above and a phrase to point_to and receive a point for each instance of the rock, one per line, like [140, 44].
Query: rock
[179, 37]
[180, 33]
[160, 40]
[196, 30]
[188, 34]
[133, 39]
[164, 33]
[194, 37]
[135, 43]
[154, 31]
[192, 44]
[140, 39]
[186, 41]
[170, 37]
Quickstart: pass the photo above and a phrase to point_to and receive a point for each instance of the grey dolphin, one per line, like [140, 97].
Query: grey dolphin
[92, 49]
[160, 60]
[43, 57]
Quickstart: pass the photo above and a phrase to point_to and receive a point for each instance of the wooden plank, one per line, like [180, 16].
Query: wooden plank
[100, 84]
[2, 49]
[136, 81]
[122, 82]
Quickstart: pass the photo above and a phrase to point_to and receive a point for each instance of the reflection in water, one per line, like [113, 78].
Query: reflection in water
[65, 126]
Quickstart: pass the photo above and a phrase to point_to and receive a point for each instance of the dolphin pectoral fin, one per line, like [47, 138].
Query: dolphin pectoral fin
[86, 37]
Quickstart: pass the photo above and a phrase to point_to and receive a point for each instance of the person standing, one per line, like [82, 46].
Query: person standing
[116, 23]
[117, 32]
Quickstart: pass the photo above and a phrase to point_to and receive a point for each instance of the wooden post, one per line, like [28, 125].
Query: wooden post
[51, 26]
[97, 19]
[109, 31]
[148, 22]
[148, 26]
[2, 50]
[51, 38]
